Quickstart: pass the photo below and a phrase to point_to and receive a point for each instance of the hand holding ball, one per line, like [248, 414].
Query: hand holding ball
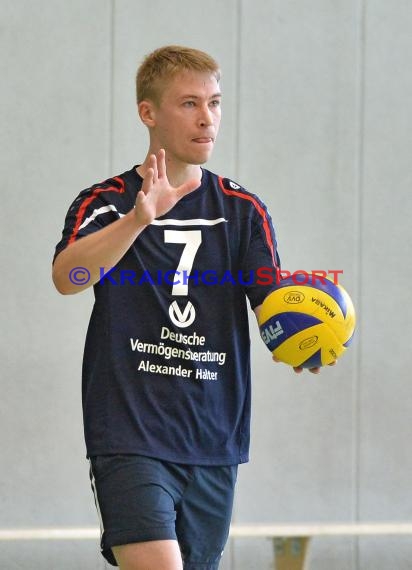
[307, 324]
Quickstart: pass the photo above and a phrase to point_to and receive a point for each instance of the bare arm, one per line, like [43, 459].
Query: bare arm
[107, 246]
[102, 249]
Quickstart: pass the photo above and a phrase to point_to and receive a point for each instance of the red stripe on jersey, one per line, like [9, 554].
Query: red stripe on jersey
[86, 204]
[260, 210]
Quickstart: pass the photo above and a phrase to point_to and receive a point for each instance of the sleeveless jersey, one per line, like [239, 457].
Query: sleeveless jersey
[166, 367]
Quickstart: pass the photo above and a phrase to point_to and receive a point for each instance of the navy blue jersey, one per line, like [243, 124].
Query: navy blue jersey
[166, 368]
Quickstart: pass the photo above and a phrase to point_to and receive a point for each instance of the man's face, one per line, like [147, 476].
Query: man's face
[186, 121]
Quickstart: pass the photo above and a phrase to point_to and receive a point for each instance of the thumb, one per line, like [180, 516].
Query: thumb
[187, 187]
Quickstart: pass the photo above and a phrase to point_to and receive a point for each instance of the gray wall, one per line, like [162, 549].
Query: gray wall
[317, 115]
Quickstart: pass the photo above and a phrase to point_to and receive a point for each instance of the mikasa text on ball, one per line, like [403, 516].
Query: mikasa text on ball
[307, 322]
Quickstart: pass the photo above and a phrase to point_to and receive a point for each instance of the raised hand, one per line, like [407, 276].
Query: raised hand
[157, 196]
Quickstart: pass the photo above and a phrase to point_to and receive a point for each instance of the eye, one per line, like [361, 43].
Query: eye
[215, 103]
[189, 104]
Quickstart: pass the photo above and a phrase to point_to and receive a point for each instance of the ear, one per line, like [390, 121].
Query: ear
[147, 113]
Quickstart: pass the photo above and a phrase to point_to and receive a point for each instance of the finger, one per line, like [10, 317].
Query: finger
[161, 163]
[187, 187]
[332, 363]
[298, 369]
[148, 181]
[275, 359]
[314, 370]
[153, 165]
[140, 198]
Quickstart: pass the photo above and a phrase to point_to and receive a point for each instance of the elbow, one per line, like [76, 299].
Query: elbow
[60, 285]
[68, 278]
[61, 282]
[63, 290]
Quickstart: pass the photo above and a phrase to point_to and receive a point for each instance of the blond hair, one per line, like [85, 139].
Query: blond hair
[164, 64]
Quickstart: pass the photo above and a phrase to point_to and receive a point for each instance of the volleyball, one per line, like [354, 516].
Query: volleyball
[307, 321]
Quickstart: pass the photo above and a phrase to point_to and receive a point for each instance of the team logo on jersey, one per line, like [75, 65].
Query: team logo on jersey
[183, 318]
[233, 185]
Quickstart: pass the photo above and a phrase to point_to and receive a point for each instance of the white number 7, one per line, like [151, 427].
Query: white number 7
[192, 240]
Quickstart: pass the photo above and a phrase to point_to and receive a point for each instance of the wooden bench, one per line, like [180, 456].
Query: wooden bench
[290, 541]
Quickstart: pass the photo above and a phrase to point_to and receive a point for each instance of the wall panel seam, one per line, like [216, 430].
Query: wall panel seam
[111, 86]
[357, 438]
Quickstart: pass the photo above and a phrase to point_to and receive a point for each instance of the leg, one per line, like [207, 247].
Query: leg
[135, 498]
[153, 555]
[203, 516]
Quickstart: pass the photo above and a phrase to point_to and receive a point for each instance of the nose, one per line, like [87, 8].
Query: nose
[205, 117]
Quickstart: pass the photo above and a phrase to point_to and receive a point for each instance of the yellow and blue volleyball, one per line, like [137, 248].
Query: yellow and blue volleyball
[307, 322]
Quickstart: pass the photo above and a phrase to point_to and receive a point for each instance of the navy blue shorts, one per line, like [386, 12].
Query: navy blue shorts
[140, 499]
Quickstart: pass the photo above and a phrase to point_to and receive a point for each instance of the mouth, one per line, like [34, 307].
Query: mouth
[203, 140]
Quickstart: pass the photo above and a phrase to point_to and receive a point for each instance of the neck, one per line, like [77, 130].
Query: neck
[177, 172]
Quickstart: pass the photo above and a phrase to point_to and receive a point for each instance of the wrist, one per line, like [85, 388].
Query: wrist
[135, 220]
